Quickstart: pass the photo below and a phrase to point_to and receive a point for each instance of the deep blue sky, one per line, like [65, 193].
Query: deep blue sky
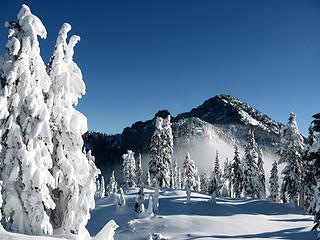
[138, 57]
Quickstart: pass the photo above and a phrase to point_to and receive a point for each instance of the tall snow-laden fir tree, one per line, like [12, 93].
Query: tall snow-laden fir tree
[274, 183]
[73, 169]
[236, 174]
[250, 168]
[102, 188]
[312, 170]
[311, 163]
[129, 169]
[180, 179]
[291, 150]
[139, 172]
[214, 187]
[156, 166]
[227, 176]
[112, 187]
[167, 150]
[217, 173]
[261, 175]
[26, 142]
[139, 205]
[174, 175]
[161, 149]
[148, 179]
[189, 175]
[121, 199]
[204, 181]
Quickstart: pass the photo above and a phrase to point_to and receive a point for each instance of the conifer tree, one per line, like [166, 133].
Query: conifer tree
[291, 150]
[274, 183]
[139, 205]
[227, 176]
[214, 189]
[204, 181]
[189, 175]
[261, 175]
[217, 173]
[112, 187]
[179, 182]
[121, 200]
[236, 174]
[139, 172]
[312, 170]
[148, 180]
[174, 175]
[129, 170]
[167, 150]
[311, 163]
[102, 188]
[72, 167]
[250, 168]
[156, 166]
[26, 141]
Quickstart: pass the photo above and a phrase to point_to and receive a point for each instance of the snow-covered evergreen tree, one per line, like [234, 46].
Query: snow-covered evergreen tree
[197, 186]
[176, 175]
[148, 179]
[217, 173]
[236, 174]
[312, 170]
[156, 166]
[261, 175]
[26, 142]
[102, 188]
[129, 170]
[161, 149]
[227, 176]
[179, 181]
[214, 187]
[204, 182]
[139, 172]
[139, 205]
[121, 200]
[189, 175]
[311, 163]
[112, 187]
[274, 183]
[291, 150]
[250, 168]
[167, 150]
[72, 168]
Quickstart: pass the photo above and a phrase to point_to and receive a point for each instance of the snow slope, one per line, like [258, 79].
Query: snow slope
[228, 219]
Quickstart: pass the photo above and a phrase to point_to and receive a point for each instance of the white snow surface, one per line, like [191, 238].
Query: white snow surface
[228, 219]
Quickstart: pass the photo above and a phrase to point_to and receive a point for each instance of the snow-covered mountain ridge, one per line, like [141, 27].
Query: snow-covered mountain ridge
[221, 120]
[226, 109]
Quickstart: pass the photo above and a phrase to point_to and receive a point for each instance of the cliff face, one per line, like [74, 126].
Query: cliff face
[223, 118]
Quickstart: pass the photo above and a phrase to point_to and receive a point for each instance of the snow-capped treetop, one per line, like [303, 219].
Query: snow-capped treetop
[71, 87]
[30, 23]
[291, 140]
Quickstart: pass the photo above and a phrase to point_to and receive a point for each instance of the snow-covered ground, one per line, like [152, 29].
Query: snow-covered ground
[228, 219]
